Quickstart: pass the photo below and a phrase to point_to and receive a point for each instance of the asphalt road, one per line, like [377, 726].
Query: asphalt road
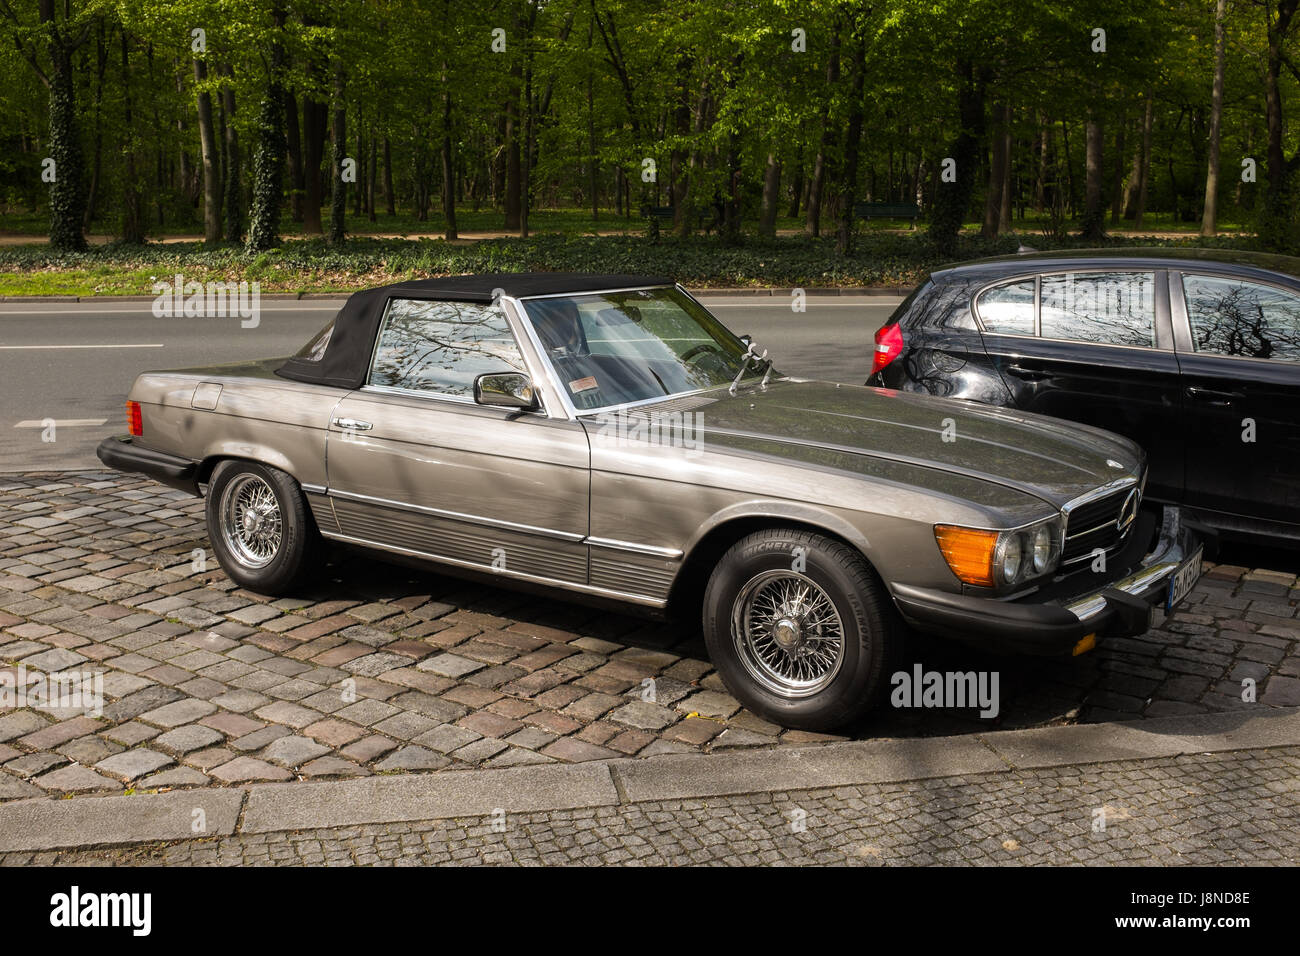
[73, 362]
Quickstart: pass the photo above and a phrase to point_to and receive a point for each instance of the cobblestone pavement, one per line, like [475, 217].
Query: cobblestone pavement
[1236, 808]
[382, 669]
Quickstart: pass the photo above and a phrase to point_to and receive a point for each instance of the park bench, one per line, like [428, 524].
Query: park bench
[706, 219]
[887, 210]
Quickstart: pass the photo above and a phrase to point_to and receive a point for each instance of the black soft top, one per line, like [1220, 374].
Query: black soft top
[347, 356]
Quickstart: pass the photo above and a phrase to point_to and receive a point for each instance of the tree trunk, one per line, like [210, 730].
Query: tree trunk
[1145, 176]
[1044, 143]
[293, 132]
[813, 208]
[67, 192]
[389, 200]
[997, 173]
[313, 151]
[678, 181]
[448, 159]
[1004, 213]
[1092, 227]
[268, 160]
[952, 199]
[208, 145]
[849, 175]
[233, 199]
[338, 190]
[359, 193]
[514, 169]
[1209, 218]
[593, 171]
[771, 197]
[796, 187]
[1117, 176]
[132, 208]
[97, 164]
[371, 170]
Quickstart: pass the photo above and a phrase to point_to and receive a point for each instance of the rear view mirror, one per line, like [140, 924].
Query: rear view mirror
[505, 390]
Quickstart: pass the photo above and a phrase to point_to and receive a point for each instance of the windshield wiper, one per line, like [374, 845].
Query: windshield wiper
[744, 366]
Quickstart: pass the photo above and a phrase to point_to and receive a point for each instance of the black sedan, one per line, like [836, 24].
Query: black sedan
[1193, 353]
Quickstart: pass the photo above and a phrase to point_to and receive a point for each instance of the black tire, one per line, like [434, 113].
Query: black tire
[871, 630]
[297, 552]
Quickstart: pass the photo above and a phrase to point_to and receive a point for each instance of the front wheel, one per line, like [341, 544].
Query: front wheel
[799, 628]
[260, 527]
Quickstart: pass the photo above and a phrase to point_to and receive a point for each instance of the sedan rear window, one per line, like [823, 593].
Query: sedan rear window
[1232, 317]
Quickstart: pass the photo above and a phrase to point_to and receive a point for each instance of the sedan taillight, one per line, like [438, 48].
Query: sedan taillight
[889, 346]
[134, 420]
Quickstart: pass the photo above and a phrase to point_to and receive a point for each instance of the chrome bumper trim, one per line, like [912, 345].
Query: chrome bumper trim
[1166, 558]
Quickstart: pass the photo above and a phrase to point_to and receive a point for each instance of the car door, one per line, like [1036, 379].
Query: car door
[1239, 349]
[1093, 346]
[416, 467]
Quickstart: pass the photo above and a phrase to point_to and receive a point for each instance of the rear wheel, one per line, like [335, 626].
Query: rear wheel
[260, 527]
[799, 628]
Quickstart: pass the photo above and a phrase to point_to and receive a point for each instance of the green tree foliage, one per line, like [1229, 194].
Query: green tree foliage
[743, 117]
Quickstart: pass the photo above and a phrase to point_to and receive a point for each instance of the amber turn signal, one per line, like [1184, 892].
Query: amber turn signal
[969, 552]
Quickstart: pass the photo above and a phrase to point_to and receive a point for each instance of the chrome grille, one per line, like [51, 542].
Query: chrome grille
[1095, 524]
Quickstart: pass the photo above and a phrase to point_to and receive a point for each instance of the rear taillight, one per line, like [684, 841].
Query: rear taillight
[889, 346]
[134, 420]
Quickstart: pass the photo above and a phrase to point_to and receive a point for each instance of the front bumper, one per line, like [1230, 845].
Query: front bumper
[122, 454]
[1050, 623]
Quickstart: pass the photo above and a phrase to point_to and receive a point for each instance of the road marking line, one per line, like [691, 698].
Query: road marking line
[61, 422]
[14, 348]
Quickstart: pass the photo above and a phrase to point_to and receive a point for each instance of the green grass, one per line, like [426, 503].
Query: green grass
[880, 258]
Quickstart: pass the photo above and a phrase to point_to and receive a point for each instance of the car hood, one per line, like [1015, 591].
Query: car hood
[1047, 457]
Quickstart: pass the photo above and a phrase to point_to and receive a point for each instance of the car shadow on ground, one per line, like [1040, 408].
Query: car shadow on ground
[1026, 691]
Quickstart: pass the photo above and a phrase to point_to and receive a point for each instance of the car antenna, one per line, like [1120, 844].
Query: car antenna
[744, 364]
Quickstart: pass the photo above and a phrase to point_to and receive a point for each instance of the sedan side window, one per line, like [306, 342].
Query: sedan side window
[1232, 317]
[440, 347]
[1109, 308]
[1008, 308]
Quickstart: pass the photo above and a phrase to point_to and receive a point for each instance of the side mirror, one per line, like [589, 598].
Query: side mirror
[505, 390]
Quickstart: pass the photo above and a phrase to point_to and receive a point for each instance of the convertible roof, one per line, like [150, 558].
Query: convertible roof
[347, 356]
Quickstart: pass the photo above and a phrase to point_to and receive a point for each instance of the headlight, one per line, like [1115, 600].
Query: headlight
[1007, 557]
[1044, 549]
[989, 559]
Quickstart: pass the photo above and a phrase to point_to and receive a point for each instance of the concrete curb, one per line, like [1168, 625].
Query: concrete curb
[41, 824]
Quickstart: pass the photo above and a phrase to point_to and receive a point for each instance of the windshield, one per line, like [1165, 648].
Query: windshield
[612, 348]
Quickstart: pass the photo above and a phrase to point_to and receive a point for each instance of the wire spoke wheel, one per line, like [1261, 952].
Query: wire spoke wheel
[252, 526]
[787, 633]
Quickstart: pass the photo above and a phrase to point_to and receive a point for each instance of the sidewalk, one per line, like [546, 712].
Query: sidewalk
[1211, 789]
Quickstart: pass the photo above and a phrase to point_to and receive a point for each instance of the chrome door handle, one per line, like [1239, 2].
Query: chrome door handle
[1028, 374]
[1213, 396]
[351, 424]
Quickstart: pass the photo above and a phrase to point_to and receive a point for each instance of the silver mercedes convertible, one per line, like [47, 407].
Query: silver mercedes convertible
[606, 438]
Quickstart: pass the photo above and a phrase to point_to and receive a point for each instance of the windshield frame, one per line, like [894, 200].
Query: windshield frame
[755, 367]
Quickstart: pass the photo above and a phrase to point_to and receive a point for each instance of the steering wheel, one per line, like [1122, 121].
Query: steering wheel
[700, 349]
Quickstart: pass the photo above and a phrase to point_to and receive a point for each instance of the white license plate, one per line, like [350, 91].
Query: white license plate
[1184, 579]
